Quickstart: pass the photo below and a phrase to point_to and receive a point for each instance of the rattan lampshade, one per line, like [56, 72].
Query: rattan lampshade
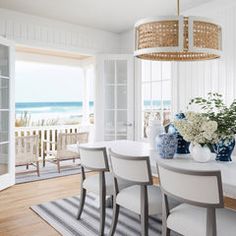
[177, 39]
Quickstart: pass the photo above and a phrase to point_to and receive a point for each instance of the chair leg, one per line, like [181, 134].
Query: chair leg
[211, 222]
[144, 211]
[102, 213]
[37, 166]
[165, 213]
[27, 166]
[58, 166]
[116, 210]
[144, 225]
[165, 231]
[82, 201]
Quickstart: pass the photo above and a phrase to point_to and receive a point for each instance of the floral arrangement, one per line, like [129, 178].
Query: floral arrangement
[214, 109]
[197, 129]
[211, 130]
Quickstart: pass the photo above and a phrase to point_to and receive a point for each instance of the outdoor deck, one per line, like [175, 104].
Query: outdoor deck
[49, 133]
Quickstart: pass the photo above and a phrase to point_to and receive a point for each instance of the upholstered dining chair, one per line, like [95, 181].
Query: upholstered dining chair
[101, 183]
[142, 197]
[62, 153]
[27, 152]
[202, 210]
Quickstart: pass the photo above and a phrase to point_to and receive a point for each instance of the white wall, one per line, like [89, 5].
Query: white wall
[127, 41]
[199, 78]
[41, 32]
[192, 79]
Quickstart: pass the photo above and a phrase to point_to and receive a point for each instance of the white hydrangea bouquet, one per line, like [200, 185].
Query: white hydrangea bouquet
[197, 129]
[200, 131]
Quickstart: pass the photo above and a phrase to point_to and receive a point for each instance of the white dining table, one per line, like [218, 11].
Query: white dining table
[185, 161]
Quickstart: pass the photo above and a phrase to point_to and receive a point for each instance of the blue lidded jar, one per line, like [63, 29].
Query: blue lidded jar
[183, 146]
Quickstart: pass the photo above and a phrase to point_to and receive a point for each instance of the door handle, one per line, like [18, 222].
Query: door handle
[128, 124]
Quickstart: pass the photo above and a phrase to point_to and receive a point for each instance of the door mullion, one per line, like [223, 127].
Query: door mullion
[115, 94]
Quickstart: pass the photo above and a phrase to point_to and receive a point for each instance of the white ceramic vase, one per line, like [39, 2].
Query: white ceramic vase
[155, 128]
[199, 153]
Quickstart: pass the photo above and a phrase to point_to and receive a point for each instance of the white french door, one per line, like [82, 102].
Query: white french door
[114, 101]
[7, 116]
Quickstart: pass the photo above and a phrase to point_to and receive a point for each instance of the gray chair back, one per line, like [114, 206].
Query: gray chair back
[131, 168]
[200, 188]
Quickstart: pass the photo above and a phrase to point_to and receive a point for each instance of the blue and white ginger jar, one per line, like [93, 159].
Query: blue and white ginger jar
[166, 145]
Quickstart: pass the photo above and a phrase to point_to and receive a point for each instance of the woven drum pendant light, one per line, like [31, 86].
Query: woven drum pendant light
[177, 38]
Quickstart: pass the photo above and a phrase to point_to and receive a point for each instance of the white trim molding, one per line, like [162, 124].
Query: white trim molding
[45, 33]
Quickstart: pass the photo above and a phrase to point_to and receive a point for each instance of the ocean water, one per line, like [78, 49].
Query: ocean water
[157, 104]
[51, 110]
[54, 110]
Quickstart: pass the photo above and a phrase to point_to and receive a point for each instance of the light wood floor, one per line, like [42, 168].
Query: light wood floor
[15, 216]
[17, 219]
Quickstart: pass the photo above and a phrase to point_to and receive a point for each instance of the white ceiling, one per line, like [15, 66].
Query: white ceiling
[111, 15]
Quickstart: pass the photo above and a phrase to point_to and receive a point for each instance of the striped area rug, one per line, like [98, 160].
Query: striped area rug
[61, 215]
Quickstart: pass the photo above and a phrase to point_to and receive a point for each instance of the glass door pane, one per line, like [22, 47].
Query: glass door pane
[121, 119]
[109, 126]
[4, 123]
[146, 96]
[116, 99]
[3, 158]
[7, 153]
[157, 100]
[109, 80]
[122, 99]
[121, 71]
[121, 91]
[4, 93]
[4, 60]
[109, 71]
[4, 110]
[109, 97]
[166, 96]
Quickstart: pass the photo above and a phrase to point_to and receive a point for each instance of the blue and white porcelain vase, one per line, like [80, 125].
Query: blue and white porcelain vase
[166, 145]
[183, 146]
[224, 149]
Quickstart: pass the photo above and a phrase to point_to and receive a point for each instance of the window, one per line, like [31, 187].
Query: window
[156, 92]
[53, 91]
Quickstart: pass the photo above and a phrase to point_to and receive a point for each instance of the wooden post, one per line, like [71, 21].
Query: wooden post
[86, 98]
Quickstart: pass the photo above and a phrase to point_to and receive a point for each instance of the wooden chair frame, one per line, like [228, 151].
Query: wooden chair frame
[143, 191]
[102, 183]
[211, 213]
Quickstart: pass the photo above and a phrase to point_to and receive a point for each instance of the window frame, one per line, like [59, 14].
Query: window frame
[139, 95]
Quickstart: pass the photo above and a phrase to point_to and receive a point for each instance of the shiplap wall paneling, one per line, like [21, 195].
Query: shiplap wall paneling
[199, 78]
[41, 32]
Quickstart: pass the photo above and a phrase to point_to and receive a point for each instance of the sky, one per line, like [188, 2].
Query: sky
[39, 82]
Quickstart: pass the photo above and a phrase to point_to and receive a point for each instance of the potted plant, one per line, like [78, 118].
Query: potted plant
[201, 132]
[214, 109]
